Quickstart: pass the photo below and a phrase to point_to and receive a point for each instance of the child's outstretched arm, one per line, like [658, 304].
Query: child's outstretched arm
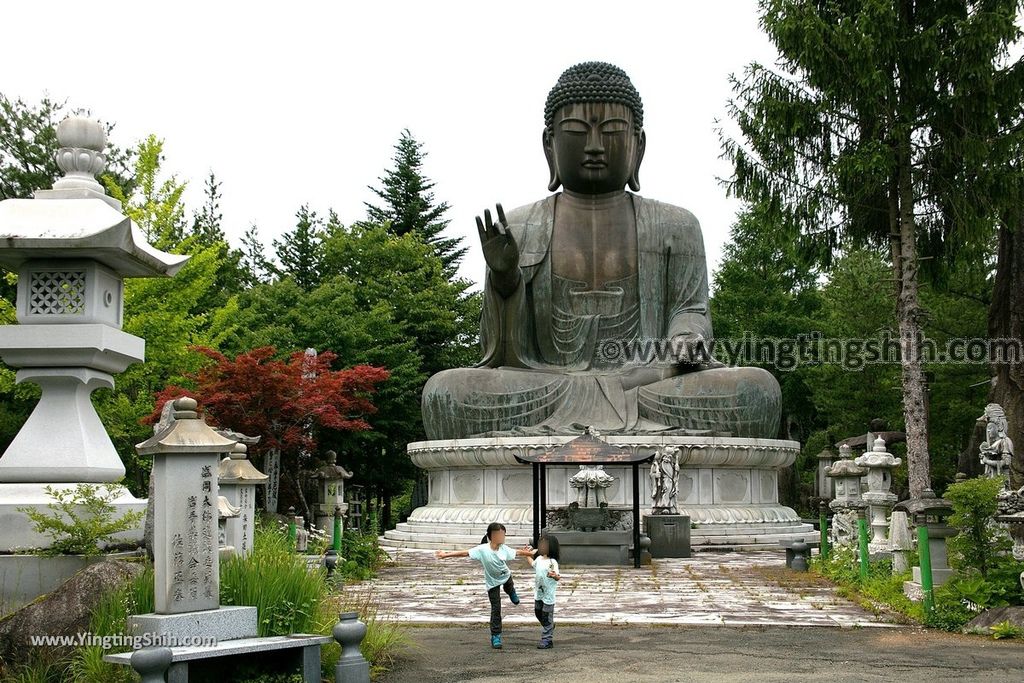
[525, 551]
[444, 555]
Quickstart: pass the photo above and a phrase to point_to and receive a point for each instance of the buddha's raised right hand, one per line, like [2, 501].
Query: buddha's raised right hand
[500, 250]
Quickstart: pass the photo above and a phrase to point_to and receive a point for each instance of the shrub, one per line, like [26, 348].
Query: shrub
[82, 518]
[950, 613]
[979, 543]
[362, 555]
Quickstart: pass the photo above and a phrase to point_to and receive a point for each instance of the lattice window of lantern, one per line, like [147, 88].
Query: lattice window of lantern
[57, 292]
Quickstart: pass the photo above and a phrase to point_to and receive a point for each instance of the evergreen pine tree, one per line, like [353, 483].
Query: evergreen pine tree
[300, 252]
[409, 205]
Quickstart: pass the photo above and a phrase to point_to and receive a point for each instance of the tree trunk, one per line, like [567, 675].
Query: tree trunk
[296, 478]
[1006, 321]
[908, 315]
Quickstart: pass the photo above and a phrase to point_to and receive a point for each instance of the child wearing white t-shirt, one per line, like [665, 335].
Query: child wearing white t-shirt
[546, 577]
[492, 554]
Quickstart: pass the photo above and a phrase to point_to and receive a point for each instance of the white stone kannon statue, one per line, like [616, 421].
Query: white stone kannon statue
[996, 451]
[71, 247]
[665, 481]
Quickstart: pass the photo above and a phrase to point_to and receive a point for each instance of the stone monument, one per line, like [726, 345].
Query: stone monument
[596, 313]
[186, 562]
[71, 247]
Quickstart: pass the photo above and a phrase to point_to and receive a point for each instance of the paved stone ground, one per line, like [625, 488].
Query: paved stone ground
[722, 588]
[649, 654]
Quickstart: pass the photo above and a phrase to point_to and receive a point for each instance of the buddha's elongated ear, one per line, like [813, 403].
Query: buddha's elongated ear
[641, 147]
[547, 139]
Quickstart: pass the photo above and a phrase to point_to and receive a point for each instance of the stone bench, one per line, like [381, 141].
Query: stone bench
[790, 553]
[303, 650]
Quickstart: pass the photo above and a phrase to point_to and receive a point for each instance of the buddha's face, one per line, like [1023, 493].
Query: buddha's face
[593, 147]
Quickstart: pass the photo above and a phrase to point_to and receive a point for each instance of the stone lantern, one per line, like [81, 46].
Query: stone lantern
[238, 479]
[932, 513]
[71, 247]
[332, 478]
[879, 496]
[848, 501]
[225, 513]
[825, 486]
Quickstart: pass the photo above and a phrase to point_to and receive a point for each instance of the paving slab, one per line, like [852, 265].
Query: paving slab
[711, 588]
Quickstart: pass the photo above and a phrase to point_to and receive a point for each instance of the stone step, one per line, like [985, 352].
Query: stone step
[701, 530]
[461, 528]
[761, 539]
[453, 540]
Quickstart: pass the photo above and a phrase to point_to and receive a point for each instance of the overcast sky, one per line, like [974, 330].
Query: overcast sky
[303, 103]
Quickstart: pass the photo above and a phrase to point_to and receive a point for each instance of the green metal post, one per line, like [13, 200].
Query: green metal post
[823, 527]
[862, 537]
[337, 529]
[925, 556]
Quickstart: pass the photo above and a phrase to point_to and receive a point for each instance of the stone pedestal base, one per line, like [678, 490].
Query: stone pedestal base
[225, 623]
[913, 589]
[669, 534]
[16, 529]
[939, 576]
[727, 486]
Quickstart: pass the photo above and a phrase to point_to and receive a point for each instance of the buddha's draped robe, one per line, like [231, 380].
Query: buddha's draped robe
[553, 360]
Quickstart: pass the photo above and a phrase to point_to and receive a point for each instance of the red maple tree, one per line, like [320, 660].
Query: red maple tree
[284, 402]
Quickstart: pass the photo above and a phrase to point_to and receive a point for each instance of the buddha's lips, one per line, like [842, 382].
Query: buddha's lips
[595, 164]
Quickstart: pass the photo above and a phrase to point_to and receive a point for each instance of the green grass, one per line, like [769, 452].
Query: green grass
[384, 640]
[277, 582]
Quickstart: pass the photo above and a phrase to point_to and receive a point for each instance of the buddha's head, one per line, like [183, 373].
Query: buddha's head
[593, 130]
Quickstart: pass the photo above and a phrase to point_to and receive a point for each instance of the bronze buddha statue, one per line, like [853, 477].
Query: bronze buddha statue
[576, 280]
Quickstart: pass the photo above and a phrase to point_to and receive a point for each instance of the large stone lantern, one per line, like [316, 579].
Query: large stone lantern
[71, 247]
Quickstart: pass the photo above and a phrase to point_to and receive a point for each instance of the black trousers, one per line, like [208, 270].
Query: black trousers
[494, 595]
[546, 617]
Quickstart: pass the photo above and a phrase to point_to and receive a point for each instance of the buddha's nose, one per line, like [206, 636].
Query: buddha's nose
[594, 145]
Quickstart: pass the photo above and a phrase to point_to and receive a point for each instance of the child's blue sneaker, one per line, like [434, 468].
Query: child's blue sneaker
[514, 597]
[545, 645]
[496, 642]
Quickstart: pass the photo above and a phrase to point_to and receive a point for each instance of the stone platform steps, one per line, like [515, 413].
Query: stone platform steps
[719, 536]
